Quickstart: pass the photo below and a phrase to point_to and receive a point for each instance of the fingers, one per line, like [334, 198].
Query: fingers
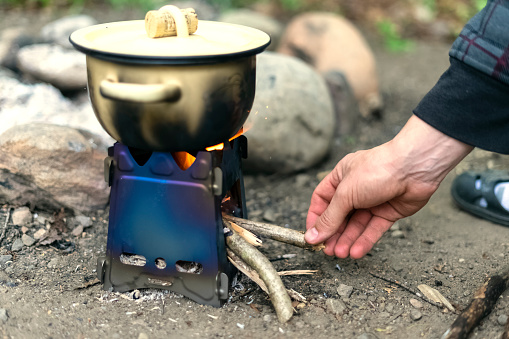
[353, 230]
[321, 198]
[374, 231]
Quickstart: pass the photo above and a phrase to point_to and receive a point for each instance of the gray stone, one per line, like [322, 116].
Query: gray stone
[17, 245]
[5, 258]
[247, 17]
[3, 315]
[27, 240]
[367, 336]
[416, 303]
[267, 318]
[63, 68]
[53, 263]
[344, 291]
[309, 35]
[59, 30]
[502, 319]
[22, 104]
[335, 306]
[415, 315]
[11, 40]
[77, 231]
[269, 215]
[63, 166]
[143, 336]
[83, 221]
[21, 216]
[40, 232]
[292, 116]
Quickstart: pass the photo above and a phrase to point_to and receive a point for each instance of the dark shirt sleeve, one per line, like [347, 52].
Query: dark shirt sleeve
[470, 106]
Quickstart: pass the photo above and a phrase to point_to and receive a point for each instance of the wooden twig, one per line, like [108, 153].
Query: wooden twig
[254, 276]
[418, 295]
[482, 303]
[4, 229]
[256, 260]
[297, 272]
[274, 232]
[247, 235]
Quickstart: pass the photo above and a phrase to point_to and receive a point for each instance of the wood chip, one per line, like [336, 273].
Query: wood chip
[435, 296]
[297, 272]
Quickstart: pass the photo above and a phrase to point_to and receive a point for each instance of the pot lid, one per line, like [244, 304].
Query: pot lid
[127, 41]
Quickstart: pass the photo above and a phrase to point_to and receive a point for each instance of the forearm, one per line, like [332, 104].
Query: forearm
[424, 153]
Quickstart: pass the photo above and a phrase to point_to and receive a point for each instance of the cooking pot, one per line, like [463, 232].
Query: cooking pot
[177, 93]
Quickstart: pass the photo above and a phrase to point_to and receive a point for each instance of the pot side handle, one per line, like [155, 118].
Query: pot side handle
[140, 93]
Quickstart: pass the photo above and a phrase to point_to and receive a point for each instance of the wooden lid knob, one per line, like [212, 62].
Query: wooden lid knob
[163, 22]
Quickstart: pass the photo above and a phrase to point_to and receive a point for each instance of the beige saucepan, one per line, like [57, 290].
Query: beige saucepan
[177, 93]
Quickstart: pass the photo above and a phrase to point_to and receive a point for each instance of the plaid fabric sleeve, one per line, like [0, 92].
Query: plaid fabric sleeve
[470, 106]
[484, 41]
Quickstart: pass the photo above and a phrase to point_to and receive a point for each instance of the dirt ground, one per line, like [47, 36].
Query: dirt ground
[440, 246]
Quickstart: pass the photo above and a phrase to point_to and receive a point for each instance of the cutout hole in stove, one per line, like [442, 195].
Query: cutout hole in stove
[189, 267]
[133, 259]
[140, 156]
[160, 263]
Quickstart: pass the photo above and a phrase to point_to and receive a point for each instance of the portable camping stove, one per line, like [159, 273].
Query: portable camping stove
[165, 225]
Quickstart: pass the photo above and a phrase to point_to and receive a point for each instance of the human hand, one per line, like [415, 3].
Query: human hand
[369, 190]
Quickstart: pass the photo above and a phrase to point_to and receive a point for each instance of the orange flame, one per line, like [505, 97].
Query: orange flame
[219, 147]
[184, 160]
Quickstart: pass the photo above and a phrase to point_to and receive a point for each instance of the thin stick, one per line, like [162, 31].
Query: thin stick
[256, 260]
[481, 305]
[4, 230]
[247, 235]
[274, 232]
[406, 289]
[254, 276]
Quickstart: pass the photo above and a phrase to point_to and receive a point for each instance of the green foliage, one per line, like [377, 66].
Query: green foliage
[392, 38]
[479, 4]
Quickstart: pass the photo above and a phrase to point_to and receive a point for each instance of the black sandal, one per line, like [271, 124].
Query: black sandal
[469, 198]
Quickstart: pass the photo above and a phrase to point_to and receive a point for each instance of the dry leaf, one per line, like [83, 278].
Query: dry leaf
[435, 296]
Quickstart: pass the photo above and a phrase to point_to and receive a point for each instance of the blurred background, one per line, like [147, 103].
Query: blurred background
[397, 22]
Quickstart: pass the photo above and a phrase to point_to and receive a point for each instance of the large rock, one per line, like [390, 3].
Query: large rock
[58, 31]
[63, 68]
[22, 104]
[59, 161]
[11, 40]
[292, 117]
[257, 20]
[331, 43]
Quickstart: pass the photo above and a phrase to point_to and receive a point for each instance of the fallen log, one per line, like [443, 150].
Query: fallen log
[274, 232]
[481, 305]
[257, 261]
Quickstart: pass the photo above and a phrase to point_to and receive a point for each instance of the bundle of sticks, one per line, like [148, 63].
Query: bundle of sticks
[242, 253]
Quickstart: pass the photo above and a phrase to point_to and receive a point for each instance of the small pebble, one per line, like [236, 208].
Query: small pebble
[269, 215]
[416, 303]
[27, 240]
[415, 315]
[83, 221]
[398, 234]
[17, 245]
[344, 291]
[142, 336]
[335, 306]
[21, 216]
[502, 319]
[241, 326]
[267, 318]
[3, 315]
[461, 260]
[24, 229]
[77, 231]
[39, 234]
[5, 258]
[53, 263]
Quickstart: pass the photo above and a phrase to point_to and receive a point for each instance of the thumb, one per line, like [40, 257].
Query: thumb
[329, 221]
